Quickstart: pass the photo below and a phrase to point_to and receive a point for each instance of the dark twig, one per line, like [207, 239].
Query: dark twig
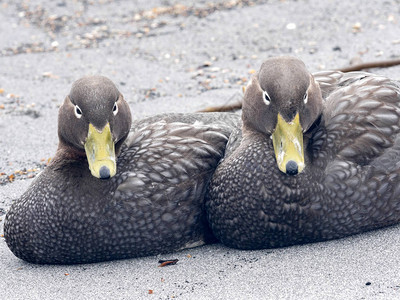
[370, 65]
[168, 262]
[223, 108]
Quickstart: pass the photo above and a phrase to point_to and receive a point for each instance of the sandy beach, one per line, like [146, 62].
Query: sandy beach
[182, 56]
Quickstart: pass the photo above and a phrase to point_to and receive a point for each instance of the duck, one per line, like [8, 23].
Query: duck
[316, 157]
[118, 189]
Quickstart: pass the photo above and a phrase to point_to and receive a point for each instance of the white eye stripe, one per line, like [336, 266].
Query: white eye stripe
[78, 112]
[115, 108]
[305, 98]
[249, 83]
[266, 98]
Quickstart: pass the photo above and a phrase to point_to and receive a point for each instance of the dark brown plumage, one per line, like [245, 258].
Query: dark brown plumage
[149, 199]
[349, 125]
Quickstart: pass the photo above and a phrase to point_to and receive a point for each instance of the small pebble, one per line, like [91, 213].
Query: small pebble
[357, 27]
[291, 26]
[55, 44]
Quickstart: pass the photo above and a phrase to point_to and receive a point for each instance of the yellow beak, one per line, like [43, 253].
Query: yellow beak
[288, 145]
[100, 152]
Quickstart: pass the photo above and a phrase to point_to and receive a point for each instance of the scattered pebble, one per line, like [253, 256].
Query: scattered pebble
[357, 27]
[23, 174]
[291, 26]
[11, 96]
[11, 178]
[54, 25]
[50, 75]
[206, 64]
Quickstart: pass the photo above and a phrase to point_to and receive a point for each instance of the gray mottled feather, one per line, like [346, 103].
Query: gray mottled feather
[350, 183]
[154, 204]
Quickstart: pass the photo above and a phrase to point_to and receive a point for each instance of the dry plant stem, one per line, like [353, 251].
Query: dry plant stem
[370, 65]
[222, 108]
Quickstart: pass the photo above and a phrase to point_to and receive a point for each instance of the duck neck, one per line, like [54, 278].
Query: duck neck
[67, 154]
[70, 168]
[272, 181]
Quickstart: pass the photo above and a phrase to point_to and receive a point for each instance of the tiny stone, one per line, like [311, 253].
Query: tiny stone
[357, 27]
[291, 26]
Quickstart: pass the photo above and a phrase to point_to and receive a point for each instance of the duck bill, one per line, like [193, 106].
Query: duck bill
[100, 152]
[288, 145]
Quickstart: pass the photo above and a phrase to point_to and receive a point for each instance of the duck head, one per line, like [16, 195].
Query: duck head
[283, 101]
[94, 120]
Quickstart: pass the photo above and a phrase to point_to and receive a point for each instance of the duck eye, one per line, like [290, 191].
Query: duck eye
[115, 108]
[78, 112]
[305, 99]
[266, 98]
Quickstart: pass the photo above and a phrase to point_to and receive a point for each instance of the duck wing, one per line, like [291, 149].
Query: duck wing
[166, 168]
[361, 115]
